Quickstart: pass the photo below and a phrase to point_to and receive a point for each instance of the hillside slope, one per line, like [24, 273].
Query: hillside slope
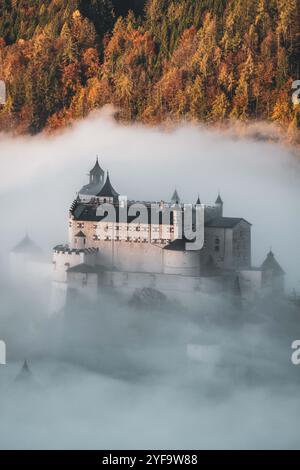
[212, 61]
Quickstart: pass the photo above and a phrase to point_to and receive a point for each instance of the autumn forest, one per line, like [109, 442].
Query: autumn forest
[211, 61]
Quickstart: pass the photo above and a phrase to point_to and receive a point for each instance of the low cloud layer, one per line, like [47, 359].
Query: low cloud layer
[117, 377]
[258, 181]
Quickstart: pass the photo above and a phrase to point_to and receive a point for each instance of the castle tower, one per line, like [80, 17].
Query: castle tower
[96, 174]
[96, 181]
[177, 221]
[219, 205]
[108, 194]
[273, 276]
[80, 240]
[175, 198]
[25, 373]
[24, 253]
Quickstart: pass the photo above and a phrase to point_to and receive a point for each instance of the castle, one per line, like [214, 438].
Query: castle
[126, 254]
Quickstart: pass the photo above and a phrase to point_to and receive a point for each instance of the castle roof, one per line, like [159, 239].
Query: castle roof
[91, 189]
[97, 169]
[26, 245]
[88, 212]
[25, 373]
[178, 244]
[80, 234]
[86, 269]
[175, 198]
[271, 264]
[219, 199]
[108, 190]
[225, 222]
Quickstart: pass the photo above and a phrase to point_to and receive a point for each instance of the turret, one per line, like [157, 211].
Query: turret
[175, 198]
[25, 373]
[273, 276]
[96, 181]
[80, 240]
[108, 194]
[219, 205]
[96, 174]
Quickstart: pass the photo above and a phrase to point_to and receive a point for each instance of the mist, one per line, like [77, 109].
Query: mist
[119, 377]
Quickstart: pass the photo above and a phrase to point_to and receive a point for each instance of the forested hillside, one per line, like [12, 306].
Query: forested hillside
[212, 61]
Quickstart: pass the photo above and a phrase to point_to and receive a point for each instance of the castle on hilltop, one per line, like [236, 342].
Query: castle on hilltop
[127, 254]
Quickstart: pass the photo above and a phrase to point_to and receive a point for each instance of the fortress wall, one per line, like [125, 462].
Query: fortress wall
[242, 245]
[63, 261]
[141, 232]
[250, 281]
[131, 256]
[171, 285]
[222, 258]
[186, 263]
[85, 283]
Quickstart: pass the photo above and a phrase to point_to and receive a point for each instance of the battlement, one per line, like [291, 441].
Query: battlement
[65, 250]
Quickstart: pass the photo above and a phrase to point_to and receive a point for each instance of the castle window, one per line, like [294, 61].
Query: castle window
[217, 245]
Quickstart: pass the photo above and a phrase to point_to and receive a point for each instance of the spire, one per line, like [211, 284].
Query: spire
[175, 198]
[96, 173]
[107, 190]
[25, 373]
[219, 199]
[27, 245]
[198, 202]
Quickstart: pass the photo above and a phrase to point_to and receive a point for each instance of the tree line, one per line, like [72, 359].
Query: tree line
[213, 61]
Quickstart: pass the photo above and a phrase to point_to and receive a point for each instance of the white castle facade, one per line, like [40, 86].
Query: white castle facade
[124, 255]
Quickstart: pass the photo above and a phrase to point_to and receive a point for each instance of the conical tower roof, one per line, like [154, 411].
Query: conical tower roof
[175, 198]
[97, 168]
[219, 199]
[108, 190]
[271, 264]
[25, 373]
[26, 245]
